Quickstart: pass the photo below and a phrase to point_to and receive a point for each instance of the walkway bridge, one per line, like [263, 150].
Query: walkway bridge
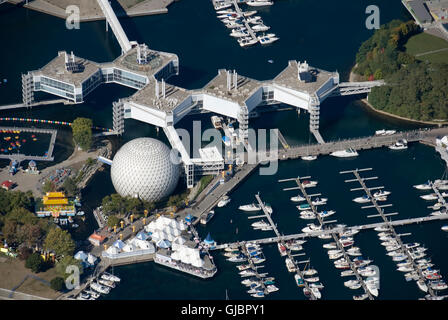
[352, 88]
[115, 24]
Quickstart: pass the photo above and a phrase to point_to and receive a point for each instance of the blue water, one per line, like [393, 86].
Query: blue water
[327, 34]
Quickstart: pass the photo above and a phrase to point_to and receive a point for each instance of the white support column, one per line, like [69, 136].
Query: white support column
[157, 89]
[163, 88]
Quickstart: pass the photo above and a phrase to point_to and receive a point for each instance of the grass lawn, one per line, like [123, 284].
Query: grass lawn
[423, 42]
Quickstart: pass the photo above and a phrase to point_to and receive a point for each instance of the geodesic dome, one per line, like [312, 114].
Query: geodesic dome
[143, 168]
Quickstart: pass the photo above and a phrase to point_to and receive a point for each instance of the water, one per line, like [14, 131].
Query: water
[327, 36]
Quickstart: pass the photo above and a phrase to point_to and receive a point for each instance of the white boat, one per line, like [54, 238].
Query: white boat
[282, 249]
[351, 283]
[424, 186]
[250, 207]
[310, 272]
[228, 11]
[205, 219]
[223, 202]
[267, 39]
[259, 3]
[364, 199]
[366, 272]
[99, 288]
[405, 269]
[239, 33]
[297, 198]
[354, 251]
[234, 24]
[445, 228]
[307, 215]
[107, 283]
[381, 228]
[319, 201]
[380, 132]
[309, 184]
[324, 214]
[247, 273]
[309, 158]
[371, 286]
[222, 5]
[439, 212]
[260, 224]
[249, 13]
[271, 288]
[390, 132]
[347, 273]
[290, 265]
[345, 153]
[111, 277]
[247, 41]
[217, 122]
[311, 228]
[429, 197]
[299, 280]
[381, 193]
[334, 256]
[399, 145]
[438, 285]
[331, 245]
[254, 19]
[311, 279]
[80, 213]
[93, 294]
[325, 236]
[260, 27]
[361, 297]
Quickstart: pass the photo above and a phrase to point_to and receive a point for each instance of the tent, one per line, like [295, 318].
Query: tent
[91, 259]
[163, 244]
[113, 250]
[119, 244]
[129, 248]
[208, 240]
[189, 218]
[142, 236]
[81, 255]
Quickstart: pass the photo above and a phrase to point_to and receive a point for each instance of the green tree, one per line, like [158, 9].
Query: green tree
[112, 221]
[70, 187]
[62, 264]
[378, 74]
[57, 283]
[82, 132]
[34, 262]
[48, 186]
[60, 242]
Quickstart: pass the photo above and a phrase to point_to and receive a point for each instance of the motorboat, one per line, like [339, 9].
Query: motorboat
[349, 232]
[99, 288]
[247, 41]
[225, 11]
[271, 288]
[400, 258]
[260, 27]
[242, 267]
[247, 273]
[204, 220]
[222, 5]
[361, 297]
[364, 199]
[334, 256]
[239, 33]
[325, 236]
[347, 243]
[317, 285]
[260, 224]
[223, 202]
[307, 215]
[111, 277]
[254, 19]
[304, 207]
[311, 279]
[371, 286]
[259, 3]
[258, 294]
[239, 258]
[438, 285]
[107, 283]
[405, 269]
[93, 294]
[366, 272]
[354, 251]
[424, 186]
[445, 228]
[80, 213]
[311, 228]
[267, 39]
[351, 283]
[347, 273]
[324, 214]
[350, 152]
[309, 184]
[234, 24]
[309, 158]
[249, 13]
[399, 145]
[439, 213]
[390, 132]
[381, 193]
[380, 132]
[282, 249]
[297, 198]
[290, 265]
[381, 228]
[429, 197]
[299, 280]
[309, 272]
[319, 201]
[331, 245]
[250, 207]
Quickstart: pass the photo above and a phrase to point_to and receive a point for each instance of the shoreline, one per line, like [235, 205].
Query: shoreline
[369, 106]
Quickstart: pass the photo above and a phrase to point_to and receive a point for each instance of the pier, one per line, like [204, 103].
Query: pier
[389, 224]
[34, 104]
[22, 157]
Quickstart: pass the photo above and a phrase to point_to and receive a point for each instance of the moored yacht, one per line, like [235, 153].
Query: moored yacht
[249, 13]
[364, 199]
[399, 145]
[250, 207]
[224, 201]
[429, 197]
[309, 184]
[424, 186]
[350, 152]
[309, 158]
[297, 198]
[267, 39]
[247, 41]
[260, 27]
[259, 3]
[445, 228]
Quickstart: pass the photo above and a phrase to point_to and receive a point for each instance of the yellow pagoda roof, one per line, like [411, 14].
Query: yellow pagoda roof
[59, 201]
[55, 195]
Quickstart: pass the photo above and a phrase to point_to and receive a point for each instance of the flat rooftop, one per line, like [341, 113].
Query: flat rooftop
[420, 10]
[289, 78]
[173, 96]
[157, 60]
[56, 69]
[218, 87]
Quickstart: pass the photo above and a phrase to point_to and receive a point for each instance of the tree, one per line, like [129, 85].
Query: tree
[60, 242]
[62, 264]
[70, 187]
[49, 186]
[57, 283]
[378, 74]
[82, 132]
[112, 221]
[34, 262]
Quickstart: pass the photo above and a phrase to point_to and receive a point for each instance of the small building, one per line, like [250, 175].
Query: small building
[7, 185]
[96, 239]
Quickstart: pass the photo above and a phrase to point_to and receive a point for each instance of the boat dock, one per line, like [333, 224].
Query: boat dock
[246, 24]
[387, 222]
[291, 257]
[333, 234]
[22, 157]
